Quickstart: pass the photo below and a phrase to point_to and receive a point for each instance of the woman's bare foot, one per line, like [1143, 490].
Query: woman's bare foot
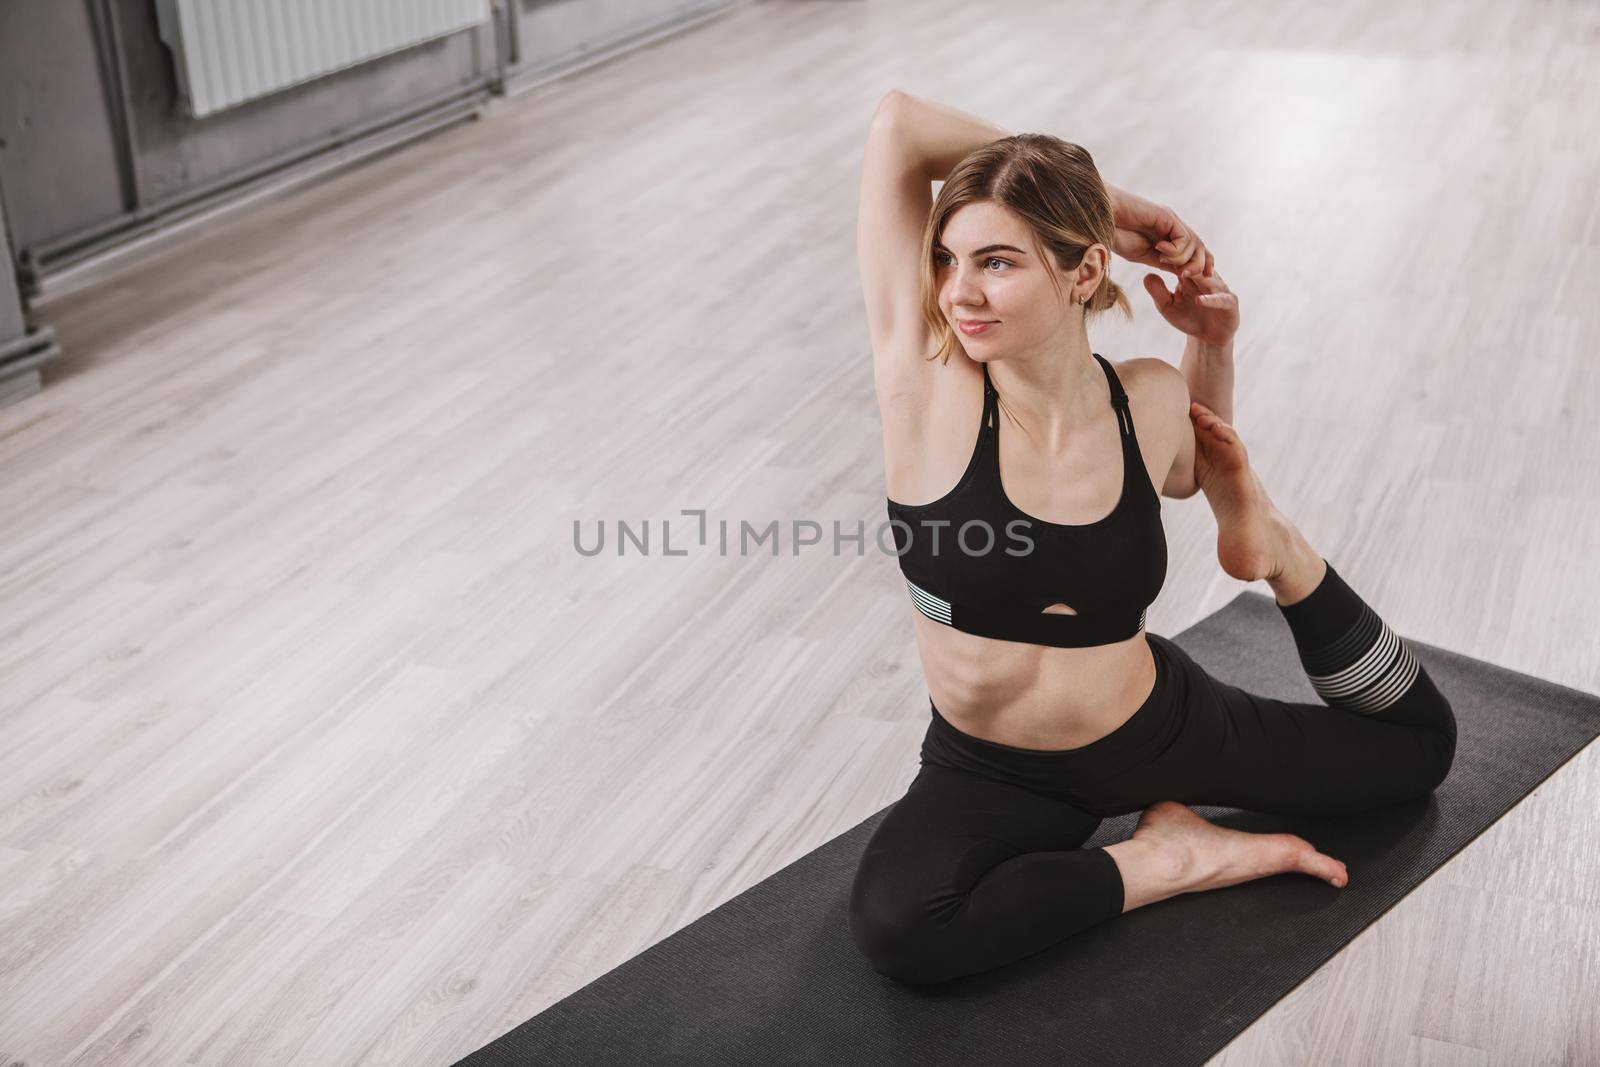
[1174, 851]
[1254, 539]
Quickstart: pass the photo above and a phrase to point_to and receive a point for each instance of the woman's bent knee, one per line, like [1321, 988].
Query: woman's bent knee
[1438, 756]
[1444, 756]
[894, 937]
[902, 960]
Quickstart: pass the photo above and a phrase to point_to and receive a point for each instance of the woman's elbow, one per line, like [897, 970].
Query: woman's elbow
[890, 105]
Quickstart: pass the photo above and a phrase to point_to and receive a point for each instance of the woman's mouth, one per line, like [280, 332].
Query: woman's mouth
[973, 326]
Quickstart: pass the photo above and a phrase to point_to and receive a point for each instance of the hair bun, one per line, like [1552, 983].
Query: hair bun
[1109, 295]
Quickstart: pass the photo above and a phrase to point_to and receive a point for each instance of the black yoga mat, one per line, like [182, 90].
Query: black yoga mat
[772, 976]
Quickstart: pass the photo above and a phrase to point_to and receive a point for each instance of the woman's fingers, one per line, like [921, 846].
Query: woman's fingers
[1179, 247]
[1188, 255]
[1210, 291]
[1182, 267]
[1165, 222]
[1206, 419]
[1203, 264]
[1158, 291]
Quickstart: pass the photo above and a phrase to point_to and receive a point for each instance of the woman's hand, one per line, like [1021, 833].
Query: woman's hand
[1201, 305]
[1152, 234]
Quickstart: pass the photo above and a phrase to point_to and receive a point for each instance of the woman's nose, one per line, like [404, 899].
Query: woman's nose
[964, 289]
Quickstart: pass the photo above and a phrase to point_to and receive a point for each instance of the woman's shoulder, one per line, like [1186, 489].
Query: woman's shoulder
[1151, 379]
[1158, 401]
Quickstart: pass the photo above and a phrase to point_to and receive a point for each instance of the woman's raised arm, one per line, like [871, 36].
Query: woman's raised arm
[910, 143]
[907, 139]
[939, 136]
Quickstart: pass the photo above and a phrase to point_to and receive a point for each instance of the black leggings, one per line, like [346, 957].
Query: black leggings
[980, 863]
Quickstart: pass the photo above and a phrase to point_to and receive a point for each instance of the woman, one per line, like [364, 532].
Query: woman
[1051, 706]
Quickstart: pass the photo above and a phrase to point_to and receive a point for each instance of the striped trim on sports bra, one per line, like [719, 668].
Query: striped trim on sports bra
[935, 608]
[939, 609]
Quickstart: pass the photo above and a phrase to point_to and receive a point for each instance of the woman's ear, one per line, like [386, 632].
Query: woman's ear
[1095, 265]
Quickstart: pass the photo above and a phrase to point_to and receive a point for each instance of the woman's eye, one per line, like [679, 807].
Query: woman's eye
[944, 259]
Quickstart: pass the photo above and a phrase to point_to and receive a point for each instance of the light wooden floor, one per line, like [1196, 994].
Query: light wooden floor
[321, 742]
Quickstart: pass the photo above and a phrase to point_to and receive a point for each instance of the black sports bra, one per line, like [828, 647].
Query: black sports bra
[975, 561]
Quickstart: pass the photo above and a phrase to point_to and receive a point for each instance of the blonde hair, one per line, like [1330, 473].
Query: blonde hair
[1054, 187]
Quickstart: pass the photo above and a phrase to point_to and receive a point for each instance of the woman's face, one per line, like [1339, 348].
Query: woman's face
[987, 271]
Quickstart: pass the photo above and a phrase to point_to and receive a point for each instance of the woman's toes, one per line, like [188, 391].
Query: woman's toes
[1331, 870]
[1309, 861]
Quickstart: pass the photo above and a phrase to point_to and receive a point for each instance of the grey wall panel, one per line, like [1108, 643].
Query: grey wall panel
[12, 322]
[77, 171]
[176, 152]
[95, 149]
[554, 33]
[224, 54]
[58, 157]
[22, 351]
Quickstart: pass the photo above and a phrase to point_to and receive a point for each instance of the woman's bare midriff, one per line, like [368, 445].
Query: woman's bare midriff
[1033, 696]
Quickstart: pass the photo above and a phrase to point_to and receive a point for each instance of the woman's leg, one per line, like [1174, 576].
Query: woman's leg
[981, 863]
[1357, 664]
[965, 874]
[1390, 738]
[1385, 733]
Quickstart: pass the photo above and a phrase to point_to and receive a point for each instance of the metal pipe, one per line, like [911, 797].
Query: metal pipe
[114, 83]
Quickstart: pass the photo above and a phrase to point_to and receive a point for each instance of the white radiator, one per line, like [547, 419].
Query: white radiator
[229, 51]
